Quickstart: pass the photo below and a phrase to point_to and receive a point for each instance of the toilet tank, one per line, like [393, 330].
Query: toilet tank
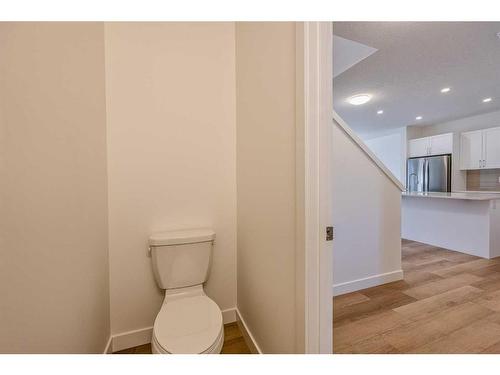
[181, 258]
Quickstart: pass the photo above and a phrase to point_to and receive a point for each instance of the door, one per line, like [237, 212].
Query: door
[415, 175]
[491, 148]
[471, 150]
[418, 147]
[441, 144]
[438, 169]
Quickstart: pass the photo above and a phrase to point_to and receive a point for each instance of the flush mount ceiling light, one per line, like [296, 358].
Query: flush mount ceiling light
[359, 99]
[418, 118]
[486, 100]
[380, 111]
[445, 90]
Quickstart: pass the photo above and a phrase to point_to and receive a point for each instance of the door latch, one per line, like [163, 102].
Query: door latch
[329, 233]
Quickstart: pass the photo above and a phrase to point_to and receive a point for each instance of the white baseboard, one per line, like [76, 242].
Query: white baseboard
[229, 315]
[131, 339]
[367, 282]
[108, 349]
[247, 334]
[143, 336]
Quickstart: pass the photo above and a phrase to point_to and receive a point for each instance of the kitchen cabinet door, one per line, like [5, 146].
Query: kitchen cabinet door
[418, 147]
[491, 147]
[471, 150]
[441, 144]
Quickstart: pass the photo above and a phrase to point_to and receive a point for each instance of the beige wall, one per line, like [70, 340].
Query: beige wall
[265, 98]
[367, 219]
[171, 146]
[168, 161]
[53, 239]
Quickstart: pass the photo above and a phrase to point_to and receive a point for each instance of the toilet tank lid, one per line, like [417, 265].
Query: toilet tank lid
[180, 237]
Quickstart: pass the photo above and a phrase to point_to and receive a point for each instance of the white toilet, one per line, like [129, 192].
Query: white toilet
[189, 322]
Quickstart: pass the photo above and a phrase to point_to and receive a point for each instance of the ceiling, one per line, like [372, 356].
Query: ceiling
[413, 62]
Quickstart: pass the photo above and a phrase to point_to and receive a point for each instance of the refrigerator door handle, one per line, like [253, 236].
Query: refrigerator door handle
[426, 175]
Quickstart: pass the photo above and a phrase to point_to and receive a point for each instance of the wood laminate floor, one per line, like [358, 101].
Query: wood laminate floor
[448, 302]
[233, 343]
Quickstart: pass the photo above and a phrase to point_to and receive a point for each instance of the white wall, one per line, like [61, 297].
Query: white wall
[487, 120]
[53, 223]
[391, 150]
[171, 144]
[265, 65]
[367, 219]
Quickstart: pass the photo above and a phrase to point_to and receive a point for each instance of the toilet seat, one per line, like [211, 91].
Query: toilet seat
[190, 325]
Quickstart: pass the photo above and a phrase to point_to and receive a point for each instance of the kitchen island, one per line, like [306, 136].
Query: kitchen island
[461, 221]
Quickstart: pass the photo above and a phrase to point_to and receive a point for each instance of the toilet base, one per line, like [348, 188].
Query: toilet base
[216, 348]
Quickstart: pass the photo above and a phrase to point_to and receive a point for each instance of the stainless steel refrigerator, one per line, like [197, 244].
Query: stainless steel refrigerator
[430, 173]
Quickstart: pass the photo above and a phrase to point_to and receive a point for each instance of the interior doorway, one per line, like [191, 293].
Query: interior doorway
[416, 267]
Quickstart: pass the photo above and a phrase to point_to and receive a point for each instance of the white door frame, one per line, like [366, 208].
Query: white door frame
[318, 101]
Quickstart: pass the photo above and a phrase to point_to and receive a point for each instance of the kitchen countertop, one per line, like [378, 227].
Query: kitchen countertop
[458, 195]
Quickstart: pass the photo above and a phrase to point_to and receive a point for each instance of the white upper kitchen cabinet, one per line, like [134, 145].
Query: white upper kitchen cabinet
[418, 147]
[480, 149]
[441, 144]
[491, 146]
[471, 150]
[435, 145]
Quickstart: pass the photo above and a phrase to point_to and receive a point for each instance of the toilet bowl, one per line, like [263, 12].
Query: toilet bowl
[189, 322]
